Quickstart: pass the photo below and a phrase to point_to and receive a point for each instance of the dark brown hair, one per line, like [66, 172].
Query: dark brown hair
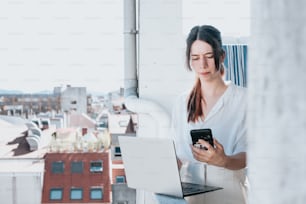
[212, 36]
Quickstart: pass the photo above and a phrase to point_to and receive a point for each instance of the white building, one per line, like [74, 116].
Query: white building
[21, 170]
[74, 99]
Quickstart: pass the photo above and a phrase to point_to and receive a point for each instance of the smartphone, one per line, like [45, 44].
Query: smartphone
[204, 134]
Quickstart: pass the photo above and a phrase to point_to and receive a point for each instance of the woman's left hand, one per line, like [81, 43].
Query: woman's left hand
[213, 155]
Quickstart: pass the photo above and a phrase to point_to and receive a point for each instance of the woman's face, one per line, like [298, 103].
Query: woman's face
[202, 60]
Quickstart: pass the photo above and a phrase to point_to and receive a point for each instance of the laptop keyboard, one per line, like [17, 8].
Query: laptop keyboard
[192, 189]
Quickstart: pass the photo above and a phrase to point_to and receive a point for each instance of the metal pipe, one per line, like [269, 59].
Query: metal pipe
[130, 51]
[132, 101]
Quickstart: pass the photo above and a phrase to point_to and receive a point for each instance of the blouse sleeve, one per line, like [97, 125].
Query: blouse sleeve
[241, 138]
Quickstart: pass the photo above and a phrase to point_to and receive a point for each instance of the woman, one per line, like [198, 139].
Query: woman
[220, 106]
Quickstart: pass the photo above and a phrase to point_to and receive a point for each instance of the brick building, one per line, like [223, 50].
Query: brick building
[121, 125]
[77, 178]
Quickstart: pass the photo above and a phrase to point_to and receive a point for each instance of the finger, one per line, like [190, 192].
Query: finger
[196, 152]
[199, 154]
[205, 144]
[217, 144]
[195, 148]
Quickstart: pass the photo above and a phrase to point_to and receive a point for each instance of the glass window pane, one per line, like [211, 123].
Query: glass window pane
[120, 179]
[77, 167]
[56, 194]
[76, 194]
[117, 151]
[57, 167]
[96, 166]
[96, 194]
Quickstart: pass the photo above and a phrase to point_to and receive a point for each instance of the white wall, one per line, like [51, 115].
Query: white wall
[231, 17]
[21, 188]
[277, 103]
[162, 73]
[77, 94]
[163, 26]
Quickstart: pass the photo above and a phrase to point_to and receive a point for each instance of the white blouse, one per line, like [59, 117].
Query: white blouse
[227, 120]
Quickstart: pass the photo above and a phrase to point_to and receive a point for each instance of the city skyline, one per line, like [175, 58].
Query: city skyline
[45, 44]
[50, 90]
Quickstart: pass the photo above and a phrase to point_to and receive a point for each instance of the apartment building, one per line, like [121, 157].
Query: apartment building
[79, 164]
[73, 99]
[21, 168]
[121, 125]
[77, 178]
[77, 168]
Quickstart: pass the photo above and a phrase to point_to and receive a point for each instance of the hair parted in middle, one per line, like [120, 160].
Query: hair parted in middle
[212, 36]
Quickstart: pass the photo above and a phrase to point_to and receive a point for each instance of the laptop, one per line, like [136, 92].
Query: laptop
[150, 164]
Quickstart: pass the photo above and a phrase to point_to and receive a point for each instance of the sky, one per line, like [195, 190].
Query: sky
[49, 43]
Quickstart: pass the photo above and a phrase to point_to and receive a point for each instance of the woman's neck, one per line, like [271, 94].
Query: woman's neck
[213, 88]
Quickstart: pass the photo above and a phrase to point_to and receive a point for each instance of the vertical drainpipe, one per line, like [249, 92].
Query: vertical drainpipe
[132, 102]
[130, 50]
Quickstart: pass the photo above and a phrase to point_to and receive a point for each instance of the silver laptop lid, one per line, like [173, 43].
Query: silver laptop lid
[150, 164]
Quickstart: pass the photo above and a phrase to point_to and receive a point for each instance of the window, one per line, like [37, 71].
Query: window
[57, 167]
[76, 194]
[96, 166]
[56, 194]
[117, 152]
[120, 179]
[77, 167]
[73, 102]
[96, 193]
[44, 122]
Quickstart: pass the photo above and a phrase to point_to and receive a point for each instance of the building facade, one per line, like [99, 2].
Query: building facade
[77, 178]
[74, 99]
[21, 166]
[121, 125]
[28, 104]
[67, 99]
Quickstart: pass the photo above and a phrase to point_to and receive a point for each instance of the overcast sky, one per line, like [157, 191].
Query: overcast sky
[48, 43]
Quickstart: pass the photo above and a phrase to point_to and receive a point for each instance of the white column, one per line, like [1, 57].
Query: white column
[161, 64]
[277, 102]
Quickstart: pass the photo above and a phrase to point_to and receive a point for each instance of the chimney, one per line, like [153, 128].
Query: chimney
[84, 131]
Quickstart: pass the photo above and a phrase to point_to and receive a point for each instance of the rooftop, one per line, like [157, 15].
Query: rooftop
[15, 154]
